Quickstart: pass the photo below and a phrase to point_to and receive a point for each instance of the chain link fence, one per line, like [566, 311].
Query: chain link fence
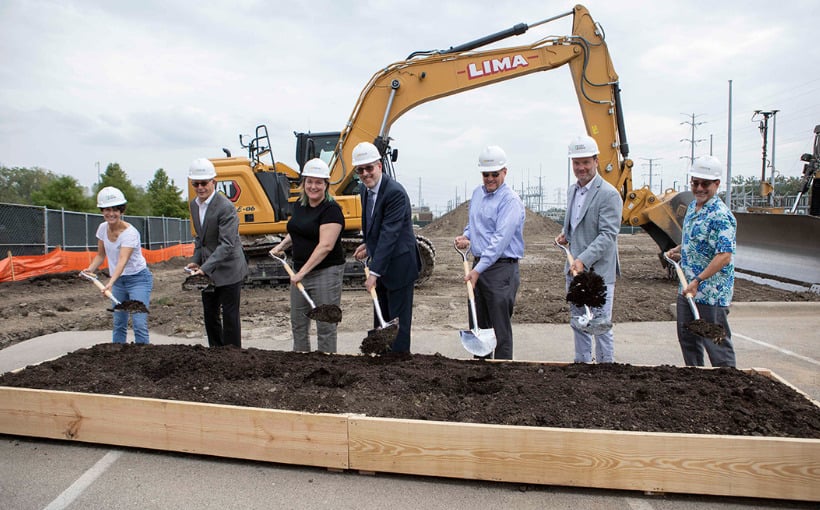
[36, 230]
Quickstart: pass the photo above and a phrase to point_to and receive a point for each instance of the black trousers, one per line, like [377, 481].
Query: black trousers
[221, 309]
[397, 303]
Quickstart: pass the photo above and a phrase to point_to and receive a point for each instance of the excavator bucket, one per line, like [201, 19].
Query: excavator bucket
[782, 245]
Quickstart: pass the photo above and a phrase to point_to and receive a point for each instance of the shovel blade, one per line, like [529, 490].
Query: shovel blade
[590, 327]
[478, 342]
[380, 340]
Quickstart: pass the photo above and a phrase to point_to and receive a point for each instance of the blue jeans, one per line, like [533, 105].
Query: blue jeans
[605, 342]
[136, 287]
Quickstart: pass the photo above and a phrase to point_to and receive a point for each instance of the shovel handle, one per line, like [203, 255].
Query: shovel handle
[107, 293]
[375, 297]
[570, 258]
[683, 282]
[298, 284]
[470, 292]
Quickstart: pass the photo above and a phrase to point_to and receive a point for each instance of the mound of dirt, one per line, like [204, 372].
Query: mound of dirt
[432, 387]
[453, 223]
[644, 292]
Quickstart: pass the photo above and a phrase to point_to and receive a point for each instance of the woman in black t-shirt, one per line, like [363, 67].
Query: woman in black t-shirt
[314, 234]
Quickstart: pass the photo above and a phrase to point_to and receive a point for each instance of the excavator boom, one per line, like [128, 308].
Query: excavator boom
[429, 75]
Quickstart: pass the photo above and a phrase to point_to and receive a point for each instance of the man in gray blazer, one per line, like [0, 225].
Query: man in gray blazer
[217, 254]
[591, 227]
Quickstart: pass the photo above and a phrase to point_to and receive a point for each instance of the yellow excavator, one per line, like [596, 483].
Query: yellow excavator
[263, 188]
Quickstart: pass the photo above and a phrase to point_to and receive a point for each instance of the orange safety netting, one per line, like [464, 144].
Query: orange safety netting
[61, 261]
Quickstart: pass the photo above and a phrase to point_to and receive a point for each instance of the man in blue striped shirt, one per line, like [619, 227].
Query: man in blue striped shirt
[495, 235]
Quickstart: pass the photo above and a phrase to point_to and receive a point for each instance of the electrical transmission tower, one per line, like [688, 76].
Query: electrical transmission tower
[692, 141]
[651, 170]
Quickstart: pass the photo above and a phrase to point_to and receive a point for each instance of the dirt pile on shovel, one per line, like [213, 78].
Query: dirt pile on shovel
[326, 313]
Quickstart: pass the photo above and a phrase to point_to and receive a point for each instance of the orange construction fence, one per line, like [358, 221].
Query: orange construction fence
[61, 261]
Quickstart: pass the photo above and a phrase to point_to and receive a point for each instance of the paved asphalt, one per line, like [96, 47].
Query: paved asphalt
[45, 474]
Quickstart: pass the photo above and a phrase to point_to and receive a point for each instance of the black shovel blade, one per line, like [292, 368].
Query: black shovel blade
[132, 306]
[710, 330]
[379, 340]
[325, 313]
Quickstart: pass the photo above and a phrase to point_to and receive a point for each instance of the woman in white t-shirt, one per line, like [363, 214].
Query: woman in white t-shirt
[131, 279]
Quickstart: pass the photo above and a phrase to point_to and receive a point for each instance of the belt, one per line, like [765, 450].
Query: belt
[503, 260]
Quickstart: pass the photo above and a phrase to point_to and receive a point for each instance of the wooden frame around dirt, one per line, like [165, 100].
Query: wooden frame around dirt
[762, 467]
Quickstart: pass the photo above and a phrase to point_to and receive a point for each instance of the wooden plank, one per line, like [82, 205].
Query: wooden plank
[226, 431]
[766, 467]
[782, 468]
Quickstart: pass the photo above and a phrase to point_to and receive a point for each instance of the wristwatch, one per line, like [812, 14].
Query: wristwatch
[698, 279]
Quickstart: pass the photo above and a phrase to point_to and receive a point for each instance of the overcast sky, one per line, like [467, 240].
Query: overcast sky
[155, 84]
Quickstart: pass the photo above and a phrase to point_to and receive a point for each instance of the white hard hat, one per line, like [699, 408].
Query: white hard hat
[583, 146]
[110, 196]
[316, 168]
[201, 170]
[492, 159]
[365, 153]
[706, 167]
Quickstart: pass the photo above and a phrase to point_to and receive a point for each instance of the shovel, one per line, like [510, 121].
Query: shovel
[700, 327]
[478, 342]
[379, 340]
[586, 322]
[322, 313]
[126, 306]
[196, 282]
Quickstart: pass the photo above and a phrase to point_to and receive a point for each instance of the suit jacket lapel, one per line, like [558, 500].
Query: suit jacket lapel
[379, 197]
[593, 190]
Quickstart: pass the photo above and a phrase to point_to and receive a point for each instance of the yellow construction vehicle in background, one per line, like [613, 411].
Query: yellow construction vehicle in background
[262, 190]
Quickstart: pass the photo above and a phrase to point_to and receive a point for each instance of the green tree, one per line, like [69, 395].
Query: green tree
[116, 177]
[63, 192]
[164, 198]
[17, 183]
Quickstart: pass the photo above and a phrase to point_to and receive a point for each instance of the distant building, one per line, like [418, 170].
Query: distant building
[422, 215]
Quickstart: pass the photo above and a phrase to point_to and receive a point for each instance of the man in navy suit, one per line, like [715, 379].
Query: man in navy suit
[217, 254]
[389, 241]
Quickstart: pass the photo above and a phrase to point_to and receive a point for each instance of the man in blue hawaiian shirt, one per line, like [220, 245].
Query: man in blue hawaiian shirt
[705, 255]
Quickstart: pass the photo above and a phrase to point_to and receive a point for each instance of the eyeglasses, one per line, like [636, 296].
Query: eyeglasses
[365, 168]
[199, 184]
[490, 174]
[702, 184]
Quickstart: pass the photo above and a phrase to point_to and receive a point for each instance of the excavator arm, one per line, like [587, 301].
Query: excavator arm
[262, 191]
[426, 76]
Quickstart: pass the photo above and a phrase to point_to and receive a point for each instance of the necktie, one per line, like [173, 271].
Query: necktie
[371, 202]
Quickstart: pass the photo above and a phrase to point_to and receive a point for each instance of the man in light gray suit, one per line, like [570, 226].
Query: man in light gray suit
[591, 227]
[217, 254]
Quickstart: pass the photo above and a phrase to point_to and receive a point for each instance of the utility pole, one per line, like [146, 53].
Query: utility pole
[766, 188]
[728, 195]
[692, 141]
[651, 160]
[421, 201]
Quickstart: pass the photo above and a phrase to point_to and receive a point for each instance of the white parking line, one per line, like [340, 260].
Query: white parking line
[639, 504]
[770, 346]
[84, 481]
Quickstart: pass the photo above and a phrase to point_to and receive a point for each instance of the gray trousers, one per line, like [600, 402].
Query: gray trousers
[324, 286]
[495, 295]
[692, 345]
